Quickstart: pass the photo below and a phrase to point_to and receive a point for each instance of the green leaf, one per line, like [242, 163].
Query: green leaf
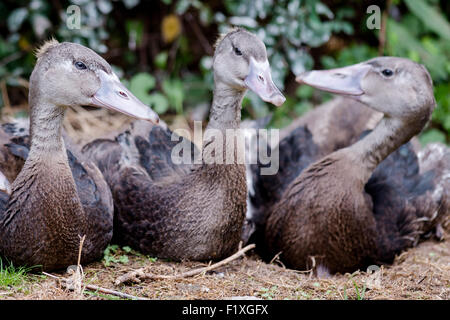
[158, 102]
[141, 84]
[304, 92]
[175, 93]
[182, 6]
[127, 249]
[432, 135]
[16, 18]
[124, 259]
[430, 17]
[161, 60]
[130, 3]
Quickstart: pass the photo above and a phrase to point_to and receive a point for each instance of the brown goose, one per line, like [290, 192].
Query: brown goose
[187, 211]
[350, 209]
[329, 127]
[50, 207]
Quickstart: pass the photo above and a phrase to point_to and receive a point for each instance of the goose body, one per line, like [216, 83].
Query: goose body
[56, 197]
[329, 127]
[365, 203]
[335, 124]
[187, 211]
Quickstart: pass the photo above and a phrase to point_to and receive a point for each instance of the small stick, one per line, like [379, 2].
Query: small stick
[82, 238]
[382, 34]
[97, 288]
[138, 275]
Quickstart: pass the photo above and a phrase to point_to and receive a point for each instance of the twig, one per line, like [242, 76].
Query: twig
[82, 238]
[139, 275]
[275, 257]
[382, 34]
[75, 281]
[97, 288]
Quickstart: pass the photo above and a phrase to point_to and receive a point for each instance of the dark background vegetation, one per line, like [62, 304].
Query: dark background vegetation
[162, 49]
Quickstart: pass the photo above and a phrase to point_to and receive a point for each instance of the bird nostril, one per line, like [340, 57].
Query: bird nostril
[123, 94]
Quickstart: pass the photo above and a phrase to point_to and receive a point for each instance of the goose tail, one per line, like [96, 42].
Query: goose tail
[434, 205]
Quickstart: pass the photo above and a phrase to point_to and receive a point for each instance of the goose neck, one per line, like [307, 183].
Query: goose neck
[226, 107]
[46, 129]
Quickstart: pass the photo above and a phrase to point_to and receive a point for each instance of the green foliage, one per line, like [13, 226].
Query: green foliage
[432, 135]
[350, 55]
[161, 60]
[11, 276]
[113, 254]
[141, 84]
[287, 27]
[177, 76]
[268, 293]
[423, 35]
[430, 17]
[173, 88]
[359, 292]
[441, 114]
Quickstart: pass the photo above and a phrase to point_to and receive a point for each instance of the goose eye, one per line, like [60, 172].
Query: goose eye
[237, 51]
[387, 72]
[80, 65]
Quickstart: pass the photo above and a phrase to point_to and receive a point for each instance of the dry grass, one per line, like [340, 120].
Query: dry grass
[419, 273]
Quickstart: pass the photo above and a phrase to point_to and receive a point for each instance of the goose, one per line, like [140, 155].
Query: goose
[187, 211]
[367, 202]
[333, 125]
[328, 127]
[48, 206]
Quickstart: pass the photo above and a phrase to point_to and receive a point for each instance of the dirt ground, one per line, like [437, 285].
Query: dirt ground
[422, 272]
[419, 273]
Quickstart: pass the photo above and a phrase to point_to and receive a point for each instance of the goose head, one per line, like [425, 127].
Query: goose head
[68, 74]
[397, 87]
[240, 62]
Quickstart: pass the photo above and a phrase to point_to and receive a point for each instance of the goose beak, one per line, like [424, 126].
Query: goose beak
[345, 80]
[259, 80]
[114, 96]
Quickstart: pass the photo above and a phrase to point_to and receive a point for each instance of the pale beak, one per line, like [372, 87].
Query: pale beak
[114, 96]
[259, 80]
[345, 80]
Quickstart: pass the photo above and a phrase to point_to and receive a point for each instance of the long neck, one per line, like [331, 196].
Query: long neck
[388, 135]
[225, 118]
[226, 107]
[45, 129]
